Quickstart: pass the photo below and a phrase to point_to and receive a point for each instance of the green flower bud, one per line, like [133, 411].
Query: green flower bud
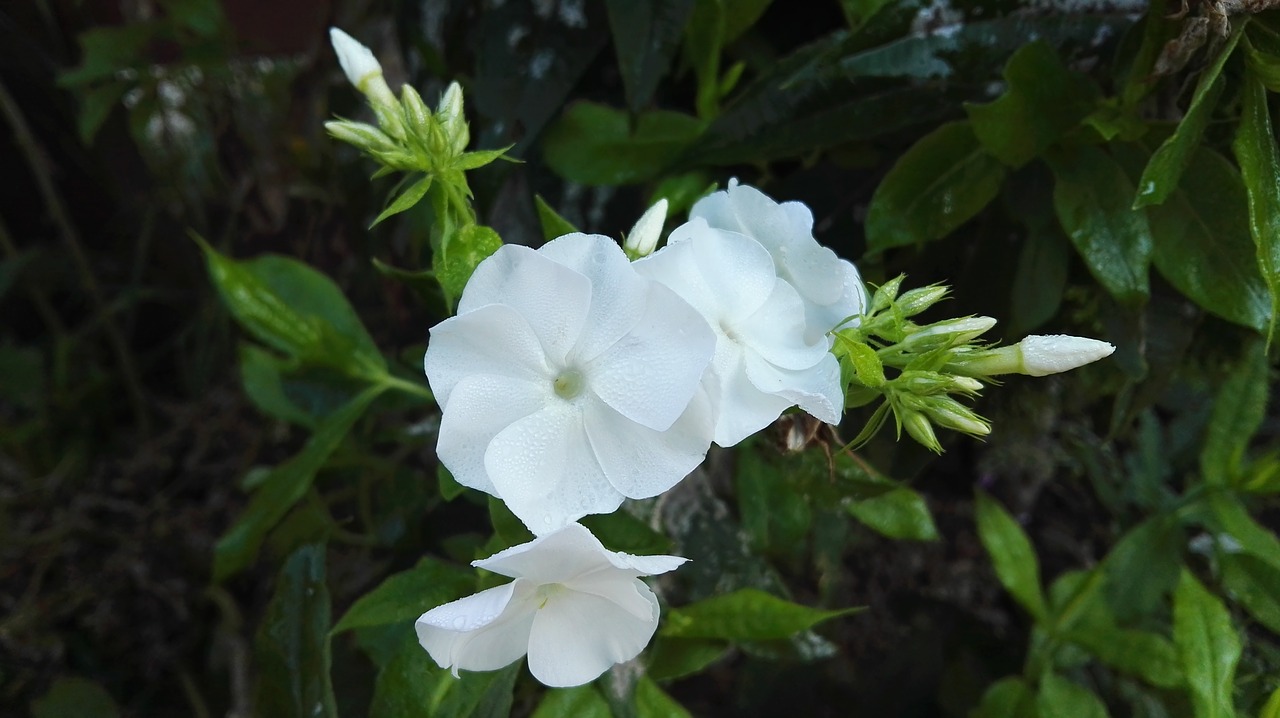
[886, 293]
[918, 300]
[416, 112]
[367, 138]
[919, 428]
[947, 333]
[949, 413]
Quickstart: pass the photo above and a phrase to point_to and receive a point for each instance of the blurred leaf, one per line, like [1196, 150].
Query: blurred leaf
[682, 191]
[1007, 698]
[1039, 281]
[775, 516]
[1011, 554]
[412, 195]
[449, 487]
[1060, 698]
[292, 646]
[78, 697]
[671, 658]
[1255, 150]
[509, 529]
[940, 183]
[203, 17]
[408, 594]
[96, 105]
[745, 615]
[1091, 197]
[584, 701]
[1209, 646]
[620, 531]
[1256, 585]
[1262, 54]
[653, 702]
[411, 685]
[260, 372]
[899, 514]
[104, 51]
[471, 245]
[593, 144]
[287, 484]
[1042, 102]
[22, 376]
[1143, 566]
[1237, 414]
[1231, 517]
[423, 283]
[704, 40]
[646, 36]
[858, 12]
[553, 225]
[1272, 708]
[1167, 164]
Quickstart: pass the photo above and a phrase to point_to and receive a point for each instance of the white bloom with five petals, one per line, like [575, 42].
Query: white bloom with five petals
[568, 382]
[831, 288]
[574, 607]
[764, 361]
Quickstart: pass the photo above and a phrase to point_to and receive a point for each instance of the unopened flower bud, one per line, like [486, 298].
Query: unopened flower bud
[1042, 355]
[951, 331]
[365, 137]
[951, 414]
[363, 70]
[415, 110]
[886, 293]
[919, 428]
[918, 300]
[643, 237]
[452, 119]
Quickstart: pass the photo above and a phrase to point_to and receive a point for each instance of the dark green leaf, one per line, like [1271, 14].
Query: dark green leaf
[411, 685]
[1209, 646]
[1272, 708]
[1091, 195]
[96, 106]
[1238, 411]
[1167, 164]
[620, 531]
[653, 702]
[107, 50]
[408, 594]
[1231, 517]
[1043, 101]
[1060, 698]
[1256, 585]
[480, 158]
[646, 36]
[1261, 47]
[287, 484]
[78, 697]
[1255, 150]
[671, 658]
[595, 145]
[292, 646]
[745, 615]
[940, 183]
[898, 514]
[1040, 280]
[260, 377]
[1143, 567]
[471, 245]
[584, 701]
[1011, 554]
[553, 225]
[412, 195]
[1007, 698]
[508, 528]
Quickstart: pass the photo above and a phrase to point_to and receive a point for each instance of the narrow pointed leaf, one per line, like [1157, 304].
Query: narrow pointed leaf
[646, 35]
[745, 615]
[292, 646]
[1011, 554]
[412, 195]
[553, 225]
[1209, 646]
[1238, 411]
[1255, 150]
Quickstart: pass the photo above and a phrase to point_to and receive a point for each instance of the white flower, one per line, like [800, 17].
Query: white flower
[644, 236]
[568, 381]
[1043, 355]
[763, 363]
[575, 607]
[830, 287]
[362, 69]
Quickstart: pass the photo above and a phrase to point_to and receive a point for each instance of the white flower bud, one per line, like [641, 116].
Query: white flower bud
[1042, 355]
[643, 237]
[363, 70]
[449, 113]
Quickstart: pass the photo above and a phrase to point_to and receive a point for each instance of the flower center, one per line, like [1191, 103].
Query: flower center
[547, 591]
[568, 384]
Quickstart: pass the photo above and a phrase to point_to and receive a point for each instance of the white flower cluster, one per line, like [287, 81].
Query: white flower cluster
[572, 378]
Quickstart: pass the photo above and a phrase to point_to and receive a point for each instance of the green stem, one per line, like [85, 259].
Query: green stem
[408, 387]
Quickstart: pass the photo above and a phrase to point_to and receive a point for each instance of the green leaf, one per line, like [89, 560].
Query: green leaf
[1167, 164]
[1202, 244]
[745, 615]
[1237, 414]
[1255, 584]
[1040, 280]
[411, 685]
[1007, 698]
[1011, 554]
[940, 183]
[671, 658]
[553, 225]
[646, 35]
[1231, 517]
[1262, 54]
[96, 106]
[408, 594]
[1209, 646]
[867, 367]
[286, 484]
[471, 245]
[296, 310]
[78, 697]
[408, 198]
[653, 702]
[104, 51]
[596, 145]
[1272, 708]
[584, 701]
[620, 531]
[260, 377]
[1143, 566]
[509, 529]
[1255, 150]
[292, 646]
[1114, 240]
[480, 158]
[1043, 101]
[1060, 698]
[899, 514]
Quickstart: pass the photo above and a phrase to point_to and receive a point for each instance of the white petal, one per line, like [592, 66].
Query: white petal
[647, 565]
[776, 331]
[552, 298]
[544, 469]
[577, 636]
[493, 339]
[479, 408]
[741, 409]
[816, 390]
[651, 374]
[822, 318]
[482, 632]
[640, 462]
[735, 270]
[618, 294]
[619, 588]
[674, 267]
[556, 557]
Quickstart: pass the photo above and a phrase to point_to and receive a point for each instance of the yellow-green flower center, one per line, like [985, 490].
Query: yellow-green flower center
[568, 384]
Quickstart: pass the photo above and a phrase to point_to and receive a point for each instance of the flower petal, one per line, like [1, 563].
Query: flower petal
[552, 298]
[646, 565]
[641, 462]
[735, 270]
[544, 469]
[776, 331]
[822, 318]
[741, 409]
[618, 294]
[650, 374]
[552, 558]
[482, 632]
[479, 408]
[493, 339]
[578, 636]
[816, 390]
